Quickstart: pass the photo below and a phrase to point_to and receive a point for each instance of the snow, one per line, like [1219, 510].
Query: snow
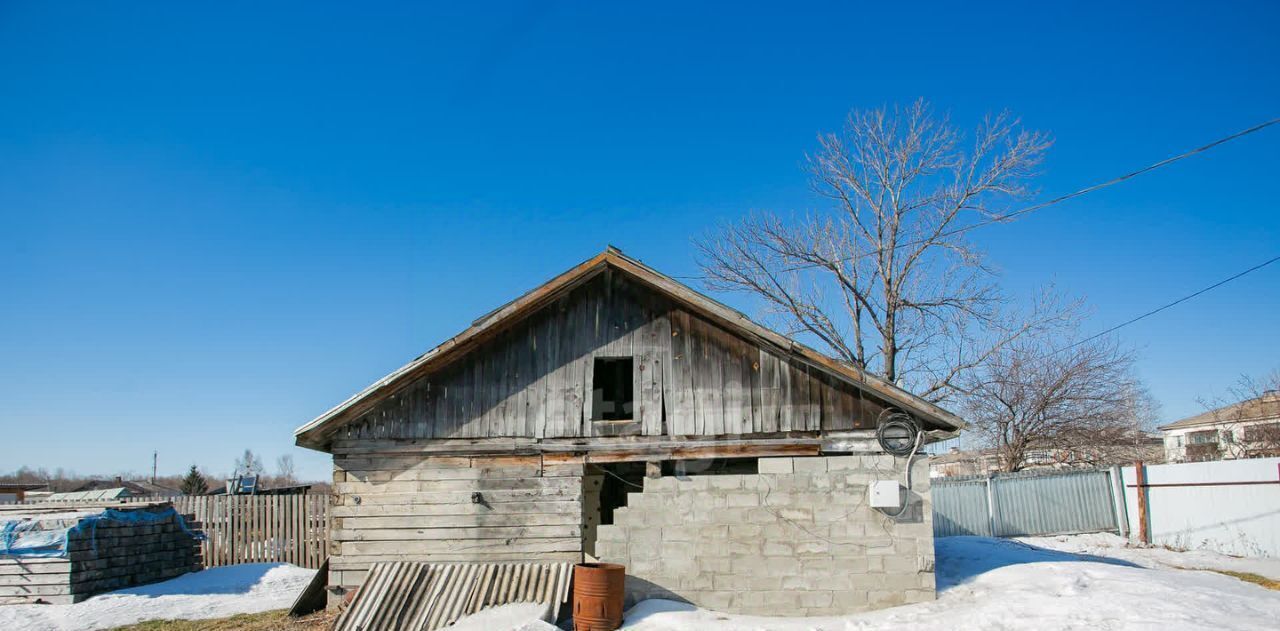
[515, 617]
[998, 584]
[1116, 547]
[48, 516]
[212, 593]
[1064, 583]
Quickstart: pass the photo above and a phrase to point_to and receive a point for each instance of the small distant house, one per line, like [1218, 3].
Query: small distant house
[1247, 429]
[128, 488]
[614, 413]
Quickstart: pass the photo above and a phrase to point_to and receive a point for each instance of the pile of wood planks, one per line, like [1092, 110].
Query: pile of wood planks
[105, 556]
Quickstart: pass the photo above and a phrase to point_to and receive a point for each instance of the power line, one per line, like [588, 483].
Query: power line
[1167, 305]
[1062, 198]
[1057, 200]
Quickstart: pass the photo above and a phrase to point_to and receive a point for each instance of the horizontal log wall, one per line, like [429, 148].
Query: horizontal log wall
[691, 377]
[398, 508]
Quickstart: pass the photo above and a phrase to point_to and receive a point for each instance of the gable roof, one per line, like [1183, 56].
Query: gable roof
[315, 434]
[1265, 407]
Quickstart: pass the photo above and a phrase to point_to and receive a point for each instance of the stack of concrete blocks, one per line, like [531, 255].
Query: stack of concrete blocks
[109, 556]
[797, 539]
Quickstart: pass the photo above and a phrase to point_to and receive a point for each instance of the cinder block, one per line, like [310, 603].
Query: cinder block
[811, 598]
[812, 464]
[714, 564]
[659, 485]
[802, 514]
[740, 500]
[726, 481]
[901, 564]
[778, 548]
[716, 600]
[796, 539]
[843, 463]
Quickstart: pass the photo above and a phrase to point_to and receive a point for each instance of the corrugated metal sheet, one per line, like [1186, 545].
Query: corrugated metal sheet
[1021, 504]
[1054, 504]
[960, 508]
[413, 596]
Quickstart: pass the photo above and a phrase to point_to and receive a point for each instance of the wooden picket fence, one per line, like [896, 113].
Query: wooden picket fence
[261, 528]
[246, 528]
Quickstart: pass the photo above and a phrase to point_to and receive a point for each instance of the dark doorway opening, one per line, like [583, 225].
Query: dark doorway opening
[612, 392]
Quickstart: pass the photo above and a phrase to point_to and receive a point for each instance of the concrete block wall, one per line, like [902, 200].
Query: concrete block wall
[797, 538]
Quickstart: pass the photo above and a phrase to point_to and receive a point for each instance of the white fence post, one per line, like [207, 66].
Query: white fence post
[991, 507]
[1118, 500]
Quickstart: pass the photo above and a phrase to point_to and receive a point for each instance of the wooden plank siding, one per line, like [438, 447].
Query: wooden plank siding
[416, 508]
[691, 378]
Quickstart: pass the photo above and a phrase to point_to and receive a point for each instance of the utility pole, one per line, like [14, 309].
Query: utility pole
[155, 456]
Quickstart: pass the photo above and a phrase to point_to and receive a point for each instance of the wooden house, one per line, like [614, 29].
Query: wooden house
[615, 413]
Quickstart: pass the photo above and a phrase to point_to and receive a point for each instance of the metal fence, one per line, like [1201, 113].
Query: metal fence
[1024, 504]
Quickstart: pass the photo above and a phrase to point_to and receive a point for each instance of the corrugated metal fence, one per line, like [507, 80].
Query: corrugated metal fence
[1022, 504]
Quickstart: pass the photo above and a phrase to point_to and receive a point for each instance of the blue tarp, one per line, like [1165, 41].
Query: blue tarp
[36, 537]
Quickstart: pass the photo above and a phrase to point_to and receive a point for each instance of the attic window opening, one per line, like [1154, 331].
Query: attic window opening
[612, 394]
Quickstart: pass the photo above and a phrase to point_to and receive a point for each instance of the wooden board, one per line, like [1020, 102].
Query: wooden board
[692, 377]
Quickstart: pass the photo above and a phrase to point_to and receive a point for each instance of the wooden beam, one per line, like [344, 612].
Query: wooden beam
[578, 451]
[1140, 477]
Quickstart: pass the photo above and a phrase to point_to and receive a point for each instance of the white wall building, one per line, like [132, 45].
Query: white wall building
[1248, 429]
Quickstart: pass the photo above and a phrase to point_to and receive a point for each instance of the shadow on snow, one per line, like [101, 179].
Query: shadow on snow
[959, 559]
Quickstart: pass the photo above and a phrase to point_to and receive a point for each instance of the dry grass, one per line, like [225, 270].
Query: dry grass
[1248, 577]
[268, 621]
[1256, 579]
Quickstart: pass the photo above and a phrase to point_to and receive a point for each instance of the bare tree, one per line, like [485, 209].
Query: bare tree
[1247, 419]
[285, 470]
[249, 464]
[883, 277]
[1041, 396]
[1123, 440]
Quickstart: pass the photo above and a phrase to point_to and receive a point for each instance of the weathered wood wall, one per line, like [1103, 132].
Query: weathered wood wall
[394, 507]
[692, 377]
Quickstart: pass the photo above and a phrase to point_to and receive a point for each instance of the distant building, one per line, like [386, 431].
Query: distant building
[959, 463]
[236, 486]
[1248, 429]
[1124, 450]
[130, 488]
[17, 492]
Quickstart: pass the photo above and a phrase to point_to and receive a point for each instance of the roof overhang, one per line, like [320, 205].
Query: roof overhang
[317, 434]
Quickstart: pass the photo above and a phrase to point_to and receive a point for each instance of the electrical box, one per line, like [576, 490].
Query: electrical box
[886, 494]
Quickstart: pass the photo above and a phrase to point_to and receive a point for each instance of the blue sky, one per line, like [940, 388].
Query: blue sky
[216, 224]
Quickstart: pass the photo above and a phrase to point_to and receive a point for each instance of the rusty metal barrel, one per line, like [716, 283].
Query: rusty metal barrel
[598, 590]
